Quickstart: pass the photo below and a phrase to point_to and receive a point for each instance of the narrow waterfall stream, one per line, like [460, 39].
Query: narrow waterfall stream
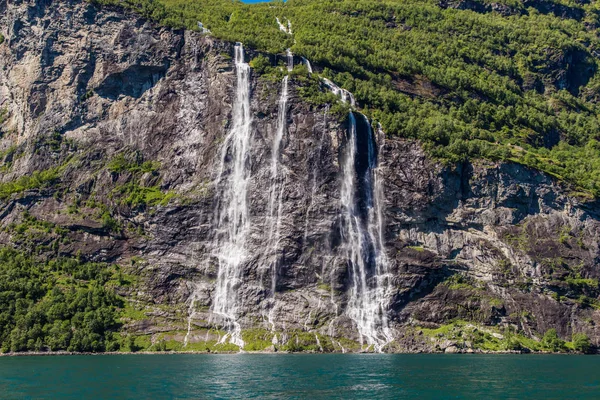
[308, 65]
[232, 222]
[276, 189]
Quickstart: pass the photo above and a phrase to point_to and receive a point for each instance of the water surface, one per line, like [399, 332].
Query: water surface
[335, 376]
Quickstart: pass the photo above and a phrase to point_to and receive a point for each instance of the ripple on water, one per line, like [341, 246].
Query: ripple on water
[334, 376]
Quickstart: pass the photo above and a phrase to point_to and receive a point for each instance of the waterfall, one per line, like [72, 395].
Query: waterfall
[277, 185]
[284, 28]
[363, 236]
[191, 313]
[276, 189]
[290, 60]
[233, 223]
[361, 199]
[308, 65]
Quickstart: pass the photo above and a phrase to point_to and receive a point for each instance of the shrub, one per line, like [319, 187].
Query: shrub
[552, 342]
[581, 342]
[261, 64]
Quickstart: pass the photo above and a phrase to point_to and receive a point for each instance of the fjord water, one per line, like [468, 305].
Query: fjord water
[303, 376]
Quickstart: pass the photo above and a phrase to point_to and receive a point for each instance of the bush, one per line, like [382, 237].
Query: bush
[552, 342]
[581, 342]
[261, 64]
[131, 344]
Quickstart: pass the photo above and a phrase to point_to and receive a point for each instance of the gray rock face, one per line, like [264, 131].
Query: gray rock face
[496, 244]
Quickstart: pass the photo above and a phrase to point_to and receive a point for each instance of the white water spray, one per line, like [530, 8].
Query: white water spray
[362, 235]
[290, 60]
[285, 28]
[369, 294]
[308, 65]
[233, 223]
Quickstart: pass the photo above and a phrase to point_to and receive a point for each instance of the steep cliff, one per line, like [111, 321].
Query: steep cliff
[114, 131]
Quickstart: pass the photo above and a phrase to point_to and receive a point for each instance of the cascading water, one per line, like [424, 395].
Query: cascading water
[363, 235]
[290, 60]
[191, 313]
[361, 227]
[277, 185]
[232, 222]
[362, 230]
[283, 27]
[308, 65]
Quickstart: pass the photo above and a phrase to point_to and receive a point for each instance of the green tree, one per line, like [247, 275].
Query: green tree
[552, 342]
[581, 342]
[131, 344]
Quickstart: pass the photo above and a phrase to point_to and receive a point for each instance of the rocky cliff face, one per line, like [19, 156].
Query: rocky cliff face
[126, 122]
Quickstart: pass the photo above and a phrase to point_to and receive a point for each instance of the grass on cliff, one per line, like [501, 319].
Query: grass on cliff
[135, 193]
[522, 87]
[37, 180]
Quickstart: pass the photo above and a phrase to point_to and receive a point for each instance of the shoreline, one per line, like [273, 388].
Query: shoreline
[151, 353]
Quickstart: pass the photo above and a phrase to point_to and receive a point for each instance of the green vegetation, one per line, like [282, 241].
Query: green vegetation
[132, 193]
[522, 87]
[121, 164]
[581, 342]
[137, 196]
[466, 334]
[1, 38]
[53, 143]
[37, 180]
[458, 282]
[552, 342]
[301, 341]
[588, 283]
[257, 339]
[3, 111]
[418, 249]
[57, 304]
[35, 235]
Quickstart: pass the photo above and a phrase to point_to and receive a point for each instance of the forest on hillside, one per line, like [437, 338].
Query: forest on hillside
[506, 80]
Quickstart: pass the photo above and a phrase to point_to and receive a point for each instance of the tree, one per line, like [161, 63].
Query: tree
[581, 342]
[552, 342]
[131, 344]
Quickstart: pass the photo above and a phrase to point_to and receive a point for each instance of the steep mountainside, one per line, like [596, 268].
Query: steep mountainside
[158, 192]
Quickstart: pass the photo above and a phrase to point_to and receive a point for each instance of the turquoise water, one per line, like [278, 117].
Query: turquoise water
[335, 376]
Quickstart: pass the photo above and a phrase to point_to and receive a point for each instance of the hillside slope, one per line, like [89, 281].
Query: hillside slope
[508, 80]
[116, 149]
